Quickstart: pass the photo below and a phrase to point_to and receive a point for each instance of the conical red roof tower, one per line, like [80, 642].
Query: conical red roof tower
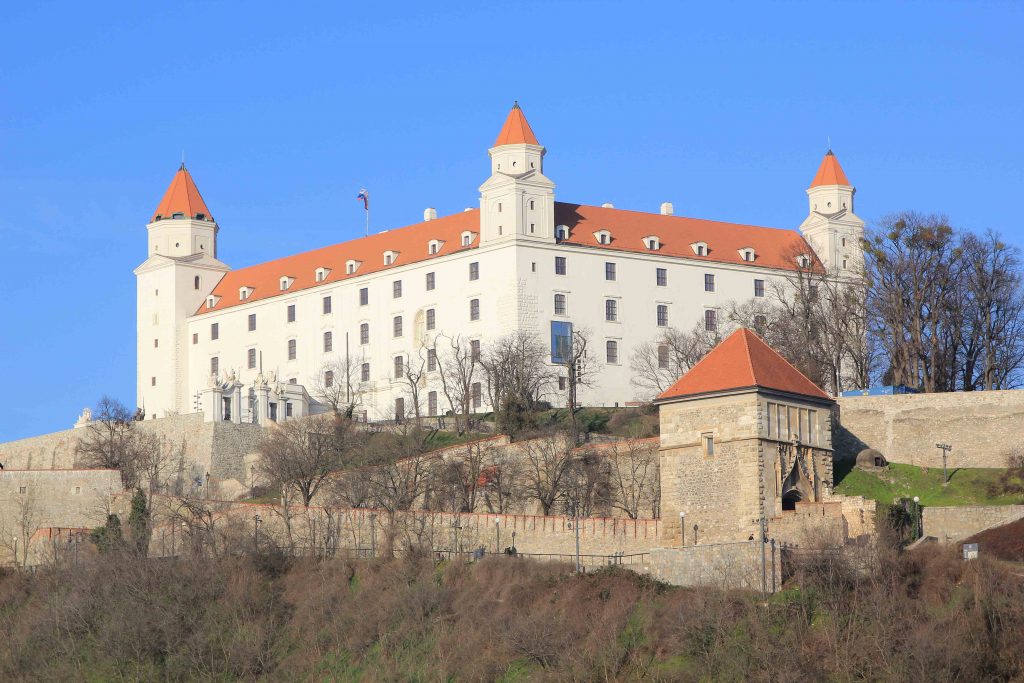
[182, 197]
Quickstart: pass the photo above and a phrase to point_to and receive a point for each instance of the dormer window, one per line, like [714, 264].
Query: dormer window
[467, 238]
[803, 261]
[700, 248]
[322, 273]
[434, 246]
[603, 237]
[390, 257]
[212, 300]
[200, 216]
[244, 293]
[747, 254]
[652, 242]
[351, 266]
[178, 214]
[562, 232]
[286, 282]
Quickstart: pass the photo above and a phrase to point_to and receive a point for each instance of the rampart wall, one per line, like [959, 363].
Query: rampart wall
[952, 524]
[982, 426]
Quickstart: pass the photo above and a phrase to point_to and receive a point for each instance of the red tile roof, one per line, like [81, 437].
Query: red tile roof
[182, 196]
[516, 130]
[742, 361]
[830, 172]
[773, 248]
[411, 243]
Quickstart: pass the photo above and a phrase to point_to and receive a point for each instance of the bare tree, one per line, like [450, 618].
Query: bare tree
[574, 355]
[458, 368]
[337, 384]
[19, 525]
[112, 441]
[302, 453]
[658, 364]
[503, 485]
[518, 376]
[547, 468]
[414, 375]
[633, 475]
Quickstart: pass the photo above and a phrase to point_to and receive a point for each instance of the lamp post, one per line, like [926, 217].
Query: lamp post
[576, 528]
[207, 485]
[917, 518]
[497, 536]
[456, 528]
[945, 448]
[682, 528]
[252, 481]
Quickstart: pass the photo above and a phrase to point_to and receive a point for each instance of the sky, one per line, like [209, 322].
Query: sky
[285, 110]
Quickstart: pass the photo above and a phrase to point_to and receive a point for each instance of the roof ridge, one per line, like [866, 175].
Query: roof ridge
[750, 359]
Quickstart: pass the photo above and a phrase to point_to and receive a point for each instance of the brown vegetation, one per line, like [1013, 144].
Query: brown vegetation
[920, 616]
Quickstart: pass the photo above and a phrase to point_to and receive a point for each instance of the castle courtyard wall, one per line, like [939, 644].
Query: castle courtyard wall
[953, 524]
[982, 426]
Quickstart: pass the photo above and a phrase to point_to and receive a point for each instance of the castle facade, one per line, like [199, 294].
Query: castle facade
[257, 343]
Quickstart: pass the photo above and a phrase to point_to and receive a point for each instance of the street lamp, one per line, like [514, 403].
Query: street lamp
[252, 481]
[682, 528]
[918, 531]
[945, 448]
[373, 534]
[497, 536]
[456, 527]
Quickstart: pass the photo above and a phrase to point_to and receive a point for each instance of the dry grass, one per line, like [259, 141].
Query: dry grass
[922, 616]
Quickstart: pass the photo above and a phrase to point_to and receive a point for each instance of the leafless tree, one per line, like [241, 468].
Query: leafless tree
[414, 375]
[518, 375]
[578, 362]
[633, 474]
[658, 364]
[547, 468]
[302, 453]
[458, 369]
[503, 480]
[112, 441]
[19, 522]
[337, 384]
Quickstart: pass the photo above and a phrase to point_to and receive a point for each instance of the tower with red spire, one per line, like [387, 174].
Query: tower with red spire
[831, 227]
[518, 201]
[180, 271]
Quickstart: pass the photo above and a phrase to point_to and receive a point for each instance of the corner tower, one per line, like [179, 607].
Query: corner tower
[832, 228]
[518, 201]
[180, 270]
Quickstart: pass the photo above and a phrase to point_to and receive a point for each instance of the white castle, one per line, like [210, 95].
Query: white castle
[251, 344]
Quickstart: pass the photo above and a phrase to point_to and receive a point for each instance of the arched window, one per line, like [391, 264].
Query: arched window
[197, 282]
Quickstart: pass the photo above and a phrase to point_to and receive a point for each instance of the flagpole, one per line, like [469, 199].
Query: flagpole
[367, 220]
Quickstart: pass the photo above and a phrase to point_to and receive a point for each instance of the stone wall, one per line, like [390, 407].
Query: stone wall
[982, 426]
[724, 565]
[215, 447]
[952, 524]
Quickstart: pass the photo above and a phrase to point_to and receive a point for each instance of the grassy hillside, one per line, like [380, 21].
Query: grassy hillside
[967, 486]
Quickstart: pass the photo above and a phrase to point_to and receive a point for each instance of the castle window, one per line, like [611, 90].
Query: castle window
[396, 326]
[152, 381]
[364, 373]
[434, 246]
[759, 288]
[661, 277]
[531, 228]
[803, 261]
[286, 282]
[474, 270]
[399, 367]
[699, 248]
[560, 304]
[843, 240]
[252, 322]
[327, 305]
[77, 490]
[291, 313]
[431, 318]
[321, 274]
[430, 281]
[251, 359]
[609, 271]
[177, 214]
[611, 310]
[156, 343]
[364, 333]
[328, 341]
[663, 356]
[844, 264]
[711, 320]
[611, 351]
[212, 300]
[292, 352]
[195, 337]
[396, 289]
[328, 378]
[708, 442]
[215, 331]
[364, 296]
[389, 258]
[652, 242]
[477, 395]
[474, 350]
[244, 293]
[467, 238]
[214, 365]
[351, 266]
[603, 237]
[22, 490]
[432, 404]
[747, 254]
[709, 282]
[561, 233]
[474, 309]
[531, 202]
[662, 315]
[432, 360]
[559, 265]
[196, 281]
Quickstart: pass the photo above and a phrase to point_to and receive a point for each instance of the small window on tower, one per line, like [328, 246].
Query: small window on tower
[708, 441]
[197, 282]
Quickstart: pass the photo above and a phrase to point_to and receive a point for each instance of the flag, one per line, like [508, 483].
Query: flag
[365, 196]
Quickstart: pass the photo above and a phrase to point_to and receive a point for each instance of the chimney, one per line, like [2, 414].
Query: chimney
[607, 205]
[667, 209]
[429, 214]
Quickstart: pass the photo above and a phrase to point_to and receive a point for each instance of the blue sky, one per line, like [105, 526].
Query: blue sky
[285, 110]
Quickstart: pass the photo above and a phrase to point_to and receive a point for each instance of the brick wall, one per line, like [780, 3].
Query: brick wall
[725, 565]
[982, 426]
